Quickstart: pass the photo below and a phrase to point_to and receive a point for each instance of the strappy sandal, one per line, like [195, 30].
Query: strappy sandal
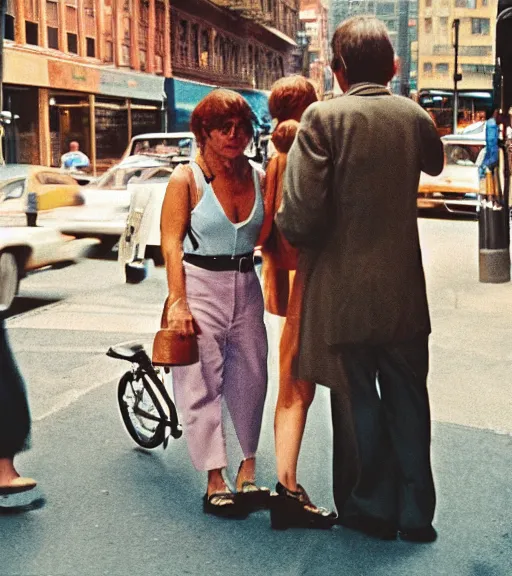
[223, 504]
[295, 510]
[253, 497]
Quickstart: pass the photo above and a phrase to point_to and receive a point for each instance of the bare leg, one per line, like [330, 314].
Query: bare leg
[293, 403]
[246, 472]
[216, 482]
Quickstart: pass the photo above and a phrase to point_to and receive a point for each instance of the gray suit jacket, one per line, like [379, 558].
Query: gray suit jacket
[350, 202]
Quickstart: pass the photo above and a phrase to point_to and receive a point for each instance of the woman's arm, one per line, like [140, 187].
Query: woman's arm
[174, 222]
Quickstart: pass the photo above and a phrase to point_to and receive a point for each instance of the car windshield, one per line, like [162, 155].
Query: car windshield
[163, 147]
[462, 154]
[117, 178]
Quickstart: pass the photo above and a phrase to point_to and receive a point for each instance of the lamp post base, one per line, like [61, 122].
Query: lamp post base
[494, 265]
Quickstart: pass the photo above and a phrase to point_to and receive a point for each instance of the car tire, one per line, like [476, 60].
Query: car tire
[9, 279]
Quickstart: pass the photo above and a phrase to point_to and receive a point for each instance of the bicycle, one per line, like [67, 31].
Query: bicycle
[147, 410]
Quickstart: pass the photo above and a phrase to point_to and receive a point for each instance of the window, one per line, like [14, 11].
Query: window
[31, 31]
[12, 190]
[427, 67]
[9, 27]
[428, 25]
[442, 68]
[72, 43]
[91, 47]
[385, 8]
[443, 25]
[53, 37]
[480, 26]
[465, 4]
[428, 3]
[485, 69]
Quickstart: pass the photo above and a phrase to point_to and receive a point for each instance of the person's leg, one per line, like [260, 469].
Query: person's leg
[403, 379]
[14, 416]
[357, 410]
[245, 369]
[295, 396]
[198, 388]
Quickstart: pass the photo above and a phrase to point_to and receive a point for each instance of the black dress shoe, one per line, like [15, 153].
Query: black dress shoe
[374, 527]
[422, 535]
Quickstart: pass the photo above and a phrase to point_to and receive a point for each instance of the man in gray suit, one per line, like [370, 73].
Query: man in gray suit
[350, 204]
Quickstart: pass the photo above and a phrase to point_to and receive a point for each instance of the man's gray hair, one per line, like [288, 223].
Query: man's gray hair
[361, 45]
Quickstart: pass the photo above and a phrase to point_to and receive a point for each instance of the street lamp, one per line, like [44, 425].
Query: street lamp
[456, 76]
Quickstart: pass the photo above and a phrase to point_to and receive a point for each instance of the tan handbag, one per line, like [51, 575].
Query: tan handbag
[172, 349]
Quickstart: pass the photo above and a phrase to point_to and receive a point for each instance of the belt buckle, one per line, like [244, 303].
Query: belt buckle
[244, 264]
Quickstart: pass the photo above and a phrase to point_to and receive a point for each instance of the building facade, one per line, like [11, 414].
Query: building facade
[98, 71]
[314, 18]
[399, 17]
[436, 54]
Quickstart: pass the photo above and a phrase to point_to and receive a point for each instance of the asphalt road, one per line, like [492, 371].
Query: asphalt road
[114, 509]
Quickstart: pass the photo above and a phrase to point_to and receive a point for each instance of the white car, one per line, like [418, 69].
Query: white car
[24, 249]
[106, 202]
[140, 239]
[178, 146]
[456, 189]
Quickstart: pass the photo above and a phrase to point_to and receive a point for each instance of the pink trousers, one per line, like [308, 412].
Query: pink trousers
[228, 309]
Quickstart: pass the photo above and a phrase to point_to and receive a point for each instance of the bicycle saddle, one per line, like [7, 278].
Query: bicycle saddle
[128, 351]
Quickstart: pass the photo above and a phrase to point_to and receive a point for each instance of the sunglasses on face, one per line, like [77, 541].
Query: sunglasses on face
[232, 126]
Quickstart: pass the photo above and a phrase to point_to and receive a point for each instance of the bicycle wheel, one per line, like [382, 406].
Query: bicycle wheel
[136, 405]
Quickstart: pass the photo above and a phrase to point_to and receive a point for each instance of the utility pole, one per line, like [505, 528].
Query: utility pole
[456, 76]
[3, 6]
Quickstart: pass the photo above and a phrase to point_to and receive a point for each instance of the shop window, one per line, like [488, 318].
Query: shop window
[53, 37]
[31, 31]
[9, 27]
[72, 43]
[91, 47]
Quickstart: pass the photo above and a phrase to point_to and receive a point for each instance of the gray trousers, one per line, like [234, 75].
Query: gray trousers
[382, 434]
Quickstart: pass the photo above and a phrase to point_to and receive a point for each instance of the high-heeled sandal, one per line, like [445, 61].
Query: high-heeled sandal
[291, 509]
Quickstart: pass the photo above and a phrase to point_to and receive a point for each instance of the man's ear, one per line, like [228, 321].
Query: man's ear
[396, 67]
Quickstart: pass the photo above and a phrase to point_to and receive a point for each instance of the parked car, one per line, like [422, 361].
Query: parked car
[178, 146]
[456, 188]
[25, 249]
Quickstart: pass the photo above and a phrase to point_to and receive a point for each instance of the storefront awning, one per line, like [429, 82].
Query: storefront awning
[184, 95]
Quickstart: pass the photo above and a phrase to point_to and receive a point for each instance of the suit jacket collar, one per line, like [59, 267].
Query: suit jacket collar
[367, 89]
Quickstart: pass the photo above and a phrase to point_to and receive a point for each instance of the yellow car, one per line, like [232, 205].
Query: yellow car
[34, 189]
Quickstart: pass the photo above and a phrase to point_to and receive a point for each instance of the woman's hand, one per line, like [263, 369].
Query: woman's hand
[180, 319]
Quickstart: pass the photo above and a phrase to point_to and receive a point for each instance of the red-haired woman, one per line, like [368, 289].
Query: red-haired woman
[288, 100]
[211, 219]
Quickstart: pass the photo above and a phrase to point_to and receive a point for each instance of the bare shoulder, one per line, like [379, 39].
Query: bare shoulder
[180, 176]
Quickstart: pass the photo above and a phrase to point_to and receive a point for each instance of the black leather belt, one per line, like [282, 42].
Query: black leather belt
[242, 263]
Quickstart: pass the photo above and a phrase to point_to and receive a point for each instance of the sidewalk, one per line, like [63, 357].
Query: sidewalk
[116, 510]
